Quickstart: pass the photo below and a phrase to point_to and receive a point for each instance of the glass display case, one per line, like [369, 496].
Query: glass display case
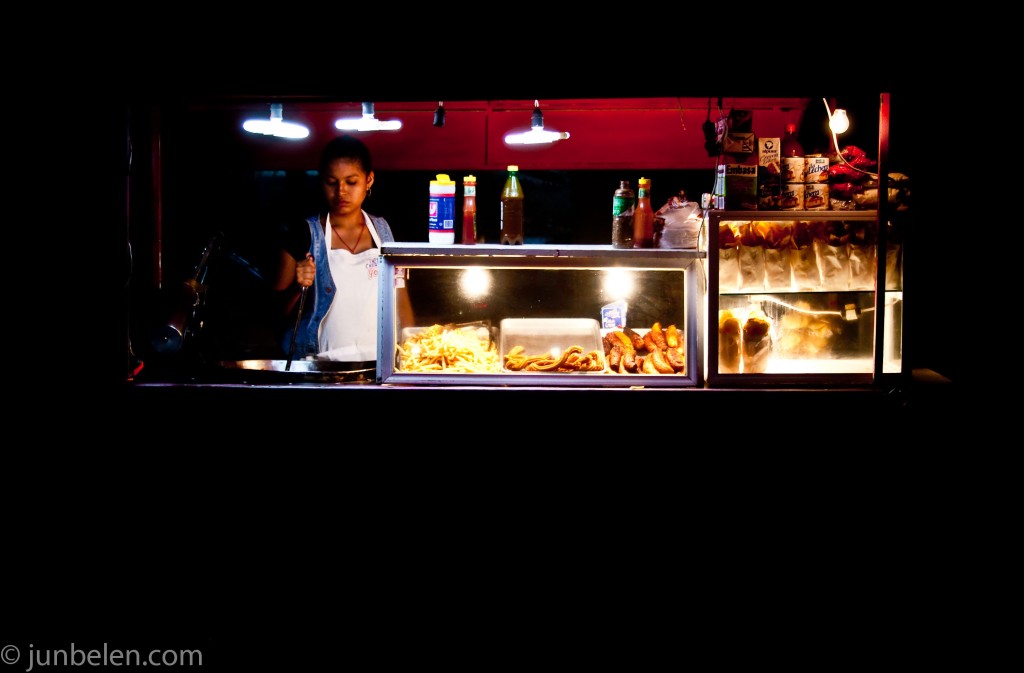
[793, 297]
[540, 315]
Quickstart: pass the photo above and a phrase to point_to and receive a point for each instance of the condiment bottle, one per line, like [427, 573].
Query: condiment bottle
[442, 210]
[512, 209]
[791, 147]
[469, 210]
[643, 217]
[622, 216]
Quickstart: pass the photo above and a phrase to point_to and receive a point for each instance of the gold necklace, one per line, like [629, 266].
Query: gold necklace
[352, 248]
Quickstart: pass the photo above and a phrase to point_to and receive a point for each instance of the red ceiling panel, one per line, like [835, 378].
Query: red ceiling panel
[658, 133]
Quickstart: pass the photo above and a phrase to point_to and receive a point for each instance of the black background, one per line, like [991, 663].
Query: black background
[511, 534]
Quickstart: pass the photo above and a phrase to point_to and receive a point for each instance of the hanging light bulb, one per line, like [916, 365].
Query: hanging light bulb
[839, 122]
[368, 122]
[276, 126]
[537, 134]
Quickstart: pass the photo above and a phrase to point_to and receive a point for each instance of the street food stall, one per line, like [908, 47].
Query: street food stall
[551, 317]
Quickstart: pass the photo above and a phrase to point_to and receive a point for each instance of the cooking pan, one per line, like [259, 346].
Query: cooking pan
[266, 371]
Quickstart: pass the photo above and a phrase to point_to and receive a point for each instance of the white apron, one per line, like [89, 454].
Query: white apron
[348, 333]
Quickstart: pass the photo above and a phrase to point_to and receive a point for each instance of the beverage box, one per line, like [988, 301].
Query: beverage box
[550, 337]
[613, 315]
[769, 173]
[769, 156]
[740, 186]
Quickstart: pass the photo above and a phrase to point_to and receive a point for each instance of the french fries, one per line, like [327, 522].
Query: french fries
[452, 351]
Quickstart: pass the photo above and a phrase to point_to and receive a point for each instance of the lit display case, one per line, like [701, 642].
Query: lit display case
[540, 315]
[793, 298]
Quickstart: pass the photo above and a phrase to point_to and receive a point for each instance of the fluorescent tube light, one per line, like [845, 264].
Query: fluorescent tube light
[276, 126]
[368, 122]
[537, 134]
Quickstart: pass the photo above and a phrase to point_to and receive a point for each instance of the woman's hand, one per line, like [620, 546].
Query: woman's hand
[305, 271]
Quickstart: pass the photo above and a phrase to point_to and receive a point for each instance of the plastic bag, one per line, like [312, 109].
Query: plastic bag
[677, 224]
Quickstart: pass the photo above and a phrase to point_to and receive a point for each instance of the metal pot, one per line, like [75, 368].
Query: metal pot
[266, 371]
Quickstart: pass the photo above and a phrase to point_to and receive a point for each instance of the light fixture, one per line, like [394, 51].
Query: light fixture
[618, 283]
[368, 122]
[276, 126]
[475, 282]
[439, 114]
[536, 135]
[838, 122]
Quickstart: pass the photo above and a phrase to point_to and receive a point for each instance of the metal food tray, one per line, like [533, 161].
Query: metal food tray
[300, 370]
[484, 326]
[551, 337]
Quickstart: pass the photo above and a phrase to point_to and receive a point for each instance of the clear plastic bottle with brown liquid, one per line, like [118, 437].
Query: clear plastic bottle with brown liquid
[622, 216]
[512, 209]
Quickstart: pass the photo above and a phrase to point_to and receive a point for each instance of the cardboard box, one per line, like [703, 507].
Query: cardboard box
[739, 143]
[613, 315]
[769, 173]
[769, 154]
[740, 186]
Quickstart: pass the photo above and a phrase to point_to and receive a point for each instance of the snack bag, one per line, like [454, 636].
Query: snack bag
[728, 256]
[751, 257]
[802, 258]
[778, 240]
[831, 246]
[863, 246]
[677, 223]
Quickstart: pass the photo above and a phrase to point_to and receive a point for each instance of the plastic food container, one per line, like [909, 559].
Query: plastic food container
[463, 348]
[546, 341]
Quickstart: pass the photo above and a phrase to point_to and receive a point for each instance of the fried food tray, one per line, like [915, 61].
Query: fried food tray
[554, 345]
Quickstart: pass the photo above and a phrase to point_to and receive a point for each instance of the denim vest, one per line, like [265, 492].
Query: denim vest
[318, 297]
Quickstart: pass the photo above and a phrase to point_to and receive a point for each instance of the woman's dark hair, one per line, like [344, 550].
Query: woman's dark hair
[346, 147]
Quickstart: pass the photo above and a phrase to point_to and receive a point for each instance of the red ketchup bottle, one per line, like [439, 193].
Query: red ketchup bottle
[791, 147]
[469, 210]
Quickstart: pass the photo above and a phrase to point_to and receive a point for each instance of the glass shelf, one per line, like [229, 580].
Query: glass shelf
[792, 299]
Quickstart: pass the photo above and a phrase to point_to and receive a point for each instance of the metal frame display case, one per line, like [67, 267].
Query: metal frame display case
[792, 298]
[561, 299]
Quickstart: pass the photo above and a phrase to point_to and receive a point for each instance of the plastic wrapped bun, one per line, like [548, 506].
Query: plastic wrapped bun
[757, 342]
[729, 341]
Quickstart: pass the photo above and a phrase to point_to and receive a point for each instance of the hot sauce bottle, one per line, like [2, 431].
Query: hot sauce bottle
[469, 210]
[643, 217]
